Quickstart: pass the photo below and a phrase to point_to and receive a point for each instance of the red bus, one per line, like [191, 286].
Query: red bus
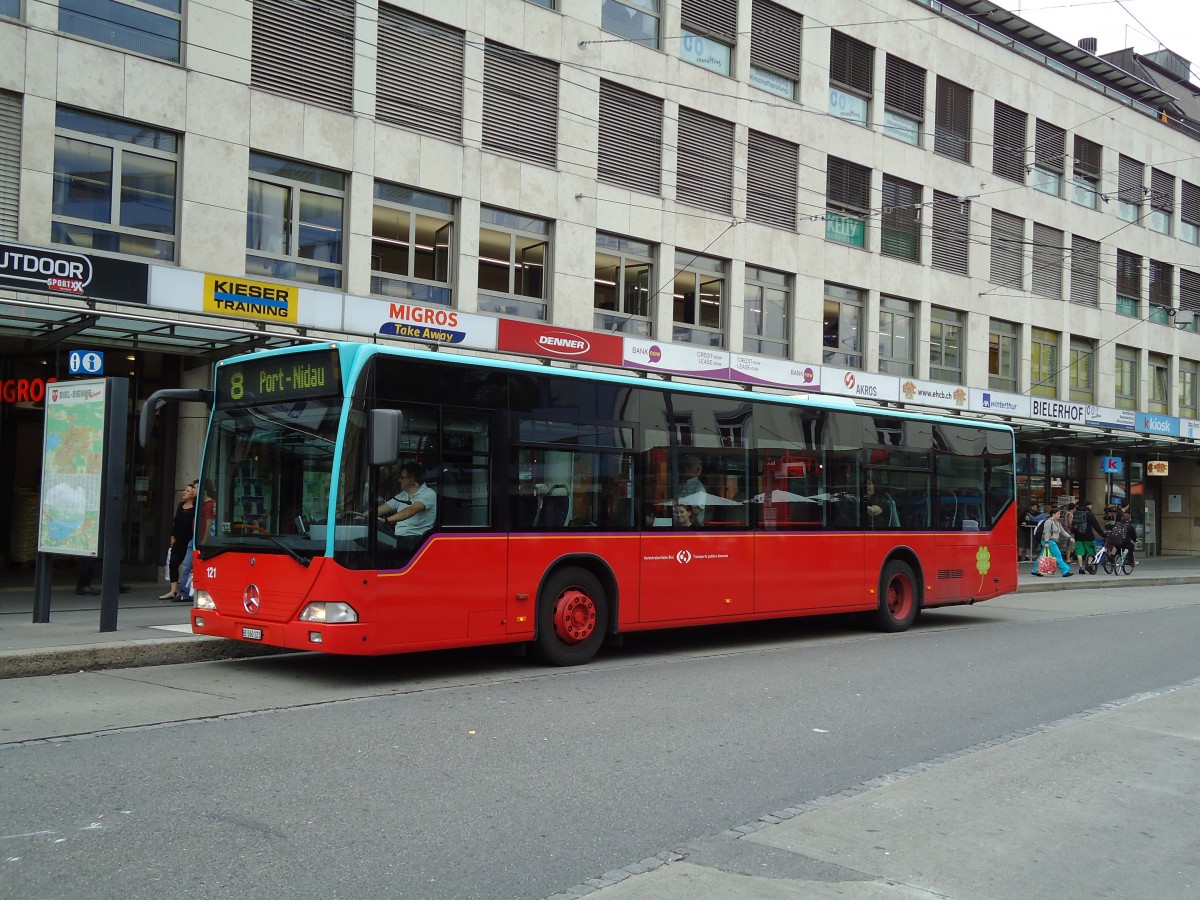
[562, 507]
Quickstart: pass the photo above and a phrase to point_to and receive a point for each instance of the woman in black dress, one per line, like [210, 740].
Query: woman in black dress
[181, 534]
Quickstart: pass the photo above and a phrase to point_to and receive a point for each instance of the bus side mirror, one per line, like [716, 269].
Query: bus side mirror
[385, 436]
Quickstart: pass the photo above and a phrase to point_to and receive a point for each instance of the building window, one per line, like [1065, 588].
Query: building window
[1085, 172]
[1049, 157]
[851, 75]
[903, 100]
[951, 233]
[945, 345]
[304, 51]
[1162, 201]
[624, 285]
[1162, 292]
[698, 310]
[772, 172]
[848, 196]
[419, 77]
[10, 162]
[900, 223]
[775, 48]
[1081, 373]
[294, 221]
[952, 130]
[149, 27]
[514, 251]
[630, 146]
[1187, 388]
[1159, 385]
[1129, 283]
[768, 309]
[520, 105]
[1189, 296]
[1003, 355]
[842, 326]
[1010, 134]
[897, 336]
[412, 245]
[1189, 213]
[1085, 271]
[548, 4]
[1131, 189]
[1008, 250]
[10, 8]
[708, 33]
[1127, 377]
[634, 20]
[115, 185]
[1043, 363]
[1048, 256]
[705, 174]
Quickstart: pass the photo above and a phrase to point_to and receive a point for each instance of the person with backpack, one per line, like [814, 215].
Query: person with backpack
[1122, 536]
[1087, 528]
[1049, 531]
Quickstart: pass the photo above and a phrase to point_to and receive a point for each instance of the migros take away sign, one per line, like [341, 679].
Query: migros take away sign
[242, 299]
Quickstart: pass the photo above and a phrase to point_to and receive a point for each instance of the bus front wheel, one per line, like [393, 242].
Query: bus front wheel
[572, 618]
[899, 600]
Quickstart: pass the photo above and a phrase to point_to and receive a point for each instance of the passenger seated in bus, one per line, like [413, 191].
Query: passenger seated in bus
[685, 517]
[413, 509]
[692, 490]
[880, 508]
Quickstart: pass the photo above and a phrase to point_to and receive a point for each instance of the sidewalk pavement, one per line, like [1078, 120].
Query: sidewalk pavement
[154, 632]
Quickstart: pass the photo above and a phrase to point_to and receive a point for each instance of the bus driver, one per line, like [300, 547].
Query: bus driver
[414, 509]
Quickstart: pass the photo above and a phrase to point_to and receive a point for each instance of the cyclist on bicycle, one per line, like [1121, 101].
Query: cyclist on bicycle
[1087, 528]
[1122, 536]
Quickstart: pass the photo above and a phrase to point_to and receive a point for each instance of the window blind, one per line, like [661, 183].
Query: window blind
[775, 38]
[1049, 146]
[705, 174]
[904, 87]
[1048, 253]
[952, 129]
[851, 62]
[10, 162]
[1085, 271]
[716, 18]
[772, 171]
[419, 77]
[951, 233]
[304, 49]
[847, 185]
[1008, 250]
[1010, 128]
[520, 105]
[630, 149]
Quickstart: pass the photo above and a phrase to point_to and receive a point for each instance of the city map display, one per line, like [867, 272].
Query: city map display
[72, 468]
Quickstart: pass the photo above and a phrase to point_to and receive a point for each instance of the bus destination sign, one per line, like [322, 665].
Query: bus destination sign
[279, 379]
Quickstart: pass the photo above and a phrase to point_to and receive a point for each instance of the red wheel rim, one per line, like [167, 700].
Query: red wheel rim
[574, 617]
[899, 598]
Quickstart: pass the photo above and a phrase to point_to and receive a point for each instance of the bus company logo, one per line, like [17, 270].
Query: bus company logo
[683, 557]
[563, 344]
[64, 273]
[252, 598]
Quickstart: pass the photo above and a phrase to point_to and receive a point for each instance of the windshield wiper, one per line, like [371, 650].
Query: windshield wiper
[305, 561]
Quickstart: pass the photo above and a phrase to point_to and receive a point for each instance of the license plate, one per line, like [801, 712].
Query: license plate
[252, 634]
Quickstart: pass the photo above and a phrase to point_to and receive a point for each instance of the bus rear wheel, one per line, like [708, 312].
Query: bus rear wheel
[899, 599]
[572, 618]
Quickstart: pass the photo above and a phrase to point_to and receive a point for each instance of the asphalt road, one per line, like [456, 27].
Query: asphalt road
[482, 775]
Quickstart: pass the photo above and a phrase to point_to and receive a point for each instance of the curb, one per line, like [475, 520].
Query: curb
[1100, 581]
[127, 655]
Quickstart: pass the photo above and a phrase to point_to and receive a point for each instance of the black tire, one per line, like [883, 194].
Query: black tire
[1089, 564]
[572, 618]
[1107, 562]
[899, 597]
[1126, 564]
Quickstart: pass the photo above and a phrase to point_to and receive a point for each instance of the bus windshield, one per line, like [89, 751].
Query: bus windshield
[267, 477]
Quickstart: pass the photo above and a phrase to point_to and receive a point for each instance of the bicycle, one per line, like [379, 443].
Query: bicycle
[1117, 563]
[1096, 560]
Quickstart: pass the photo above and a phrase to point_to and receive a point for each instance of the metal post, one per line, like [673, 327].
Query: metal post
[115, 423]
[42, 568]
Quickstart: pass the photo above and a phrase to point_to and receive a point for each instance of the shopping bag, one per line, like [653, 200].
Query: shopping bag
[167, 567]
[1047, 564]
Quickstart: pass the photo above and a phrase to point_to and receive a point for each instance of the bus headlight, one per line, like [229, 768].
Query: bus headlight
[203, 600]
[329, 613]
